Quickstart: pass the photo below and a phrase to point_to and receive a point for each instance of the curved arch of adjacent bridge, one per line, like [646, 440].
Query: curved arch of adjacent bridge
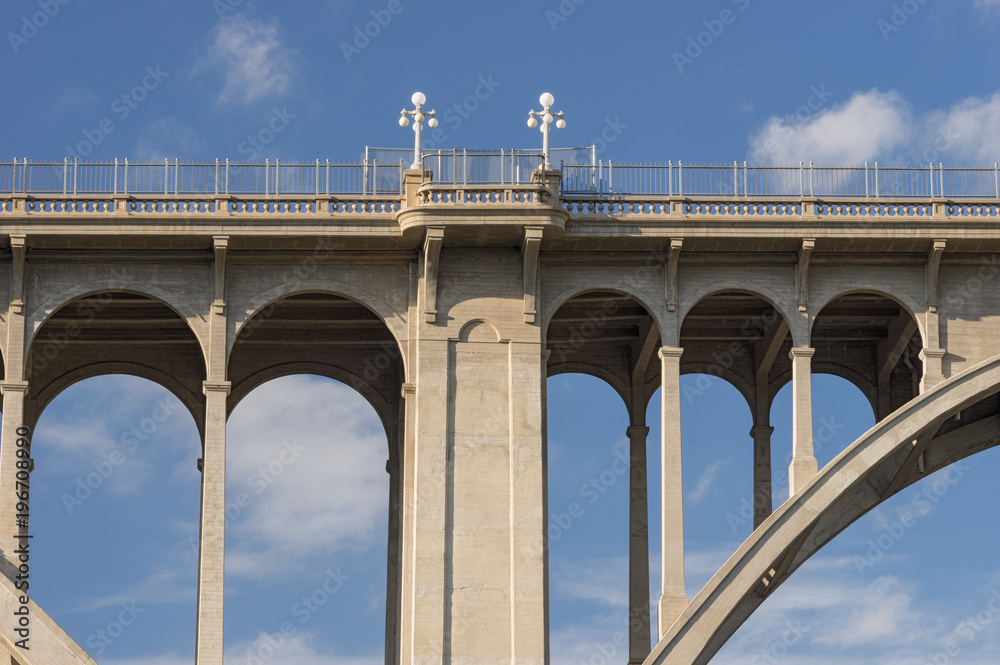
[897, 452]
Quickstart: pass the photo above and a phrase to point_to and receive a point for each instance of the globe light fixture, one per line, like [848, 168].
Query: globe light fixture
[547, 116]
[419, 115]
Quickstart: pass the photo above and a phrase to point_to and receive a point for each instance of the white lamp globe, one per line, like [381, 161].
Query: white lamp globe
[546, 99]
[418, 98]
[561, 124]
[419, 117]
[547, 118]
[433, 122]
[532, 122]
[404, 121]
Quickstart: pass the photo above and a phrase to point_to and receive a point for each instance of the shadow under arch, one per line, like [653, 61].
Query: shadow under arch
[916, 440]
[577, 293]
[111, 332]
[758, 292]
[873, 341]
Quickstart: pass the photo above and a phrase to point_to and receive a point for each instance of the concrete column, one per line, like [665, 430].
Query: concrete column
[933, 370]
[673, 600]
[212, 541]
[405, 648]
[761, 473]
[803, 466]
[13, 418]
[392, 577]
[638, 548]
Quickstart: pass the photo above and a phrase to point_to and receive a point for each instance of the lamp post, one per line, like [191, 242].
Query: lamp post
[547, 116]
[418, 114]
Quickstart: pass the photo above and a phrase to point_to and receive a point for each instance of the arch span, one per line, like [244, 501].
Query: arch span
[911, 443]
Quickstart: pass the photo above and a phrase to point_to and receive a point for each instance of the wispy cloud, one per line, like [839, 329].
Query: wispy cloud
[251, 57]
[309, 457]
[704, 483]
[167, 138]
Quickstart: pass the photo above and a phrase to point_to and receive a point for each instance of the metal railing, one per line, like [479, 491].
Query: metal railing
[805, 180]
[185, 179]
[503, 167]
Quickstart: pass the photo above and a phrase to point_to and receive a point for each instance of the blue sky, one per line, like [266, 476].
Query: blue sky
[704, 82]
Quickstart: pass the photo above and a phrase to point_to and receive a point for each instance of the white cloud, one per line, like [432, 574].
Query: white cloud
[866, 126]
[297, 649]
[308, 456]
[876, 125]
[252, 59]
[604, 581]
[704, 483]
[987, 4]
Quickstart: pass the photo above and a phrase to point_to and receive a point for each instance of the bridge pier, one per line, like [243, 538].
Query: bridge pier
[212, 537]
[804, 465]
[638, 551]
[673, 598]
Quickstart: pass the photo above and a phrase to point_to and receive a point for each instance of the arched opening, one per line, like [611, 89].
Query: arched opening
[599, 516]
[874, 342]
[306, 523]
[118, 376]
[745, 340]
[353, 366]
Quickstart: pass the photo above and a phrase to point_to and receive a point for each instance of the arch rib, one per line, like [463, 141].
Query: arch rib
[859, 479]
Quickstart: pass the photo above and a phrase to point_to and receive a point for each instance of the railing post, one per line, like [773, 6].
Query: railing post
[931, 173]
[811, 179]
[941, 172]
[267, 176]
[736, 179]
[216, 176]
[177, 176]
[746, 182]
[76, 169]
[227, 176]
[166, 176]
[670, 177]
[277, 177]
[680, 177]
[328, 176]
[114, 188]
[996, 178]
[876, 182]
[866, 180]
[125, 183]
[802, 186]
[375, 178]
[317, 176]
[65, 174]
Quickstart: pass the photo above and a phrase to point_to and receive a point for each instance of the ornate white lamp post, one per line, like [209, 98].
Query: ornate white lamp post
[547, 116]
[418, 114]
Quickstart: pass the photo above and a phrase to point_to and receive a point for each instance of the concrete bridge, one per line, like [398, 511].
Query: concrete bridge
[447, 301]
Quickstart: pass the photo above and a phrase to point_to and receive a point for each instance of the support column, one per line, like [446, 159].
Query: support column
[933, 371]
[761, 473]
[15, 390]
[803, 466]
[638, 548]
[392, 578]
[212, 539]
[673, 600]
[13, 418]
